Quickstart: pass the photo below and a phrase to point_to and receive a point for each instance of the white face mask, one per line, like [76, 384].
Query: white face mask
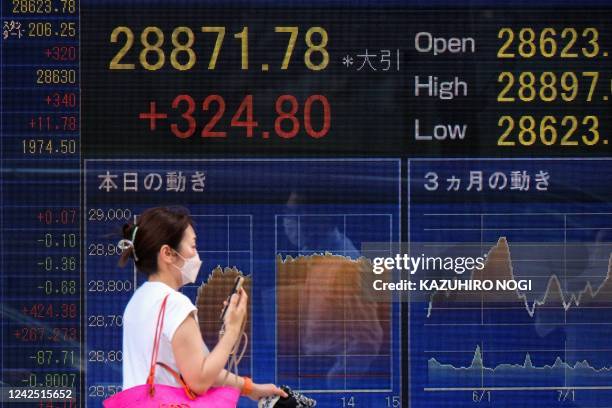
[190, 269]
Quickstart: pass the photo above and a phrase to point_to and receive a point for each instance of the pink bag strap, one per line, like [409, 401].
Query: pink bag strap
[179, 378]
[151, 378]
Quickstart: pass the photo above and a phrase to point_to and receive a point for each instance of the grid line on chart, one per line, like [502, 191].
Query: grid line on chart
[228, 251]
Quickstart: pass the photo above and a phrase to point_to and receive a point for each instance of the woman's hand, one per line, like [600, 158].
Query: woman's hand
[236, 312]
[265, 390]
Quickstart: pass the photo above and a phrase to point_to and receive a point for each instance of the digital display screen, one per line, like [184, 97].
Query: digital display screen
[417, 193]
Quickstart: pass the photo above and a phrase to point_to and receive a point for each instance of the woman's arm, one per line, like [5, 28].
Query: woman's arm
[258, 391]
[232, 380]
[200, 371]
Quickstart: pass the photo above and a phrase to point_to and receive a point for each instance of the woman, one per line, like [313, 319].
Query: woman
[163, 246]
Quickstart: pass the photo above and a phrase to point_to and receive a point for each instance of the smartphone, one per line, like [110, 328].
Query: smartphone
[237, 286]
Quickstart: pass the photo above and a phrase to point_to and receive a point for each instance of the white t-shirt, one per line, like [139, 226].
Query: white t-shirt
[139, 320]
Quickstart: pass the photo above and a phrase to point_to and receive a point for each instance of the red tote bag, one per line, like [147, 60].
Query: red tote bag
[151, 395]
